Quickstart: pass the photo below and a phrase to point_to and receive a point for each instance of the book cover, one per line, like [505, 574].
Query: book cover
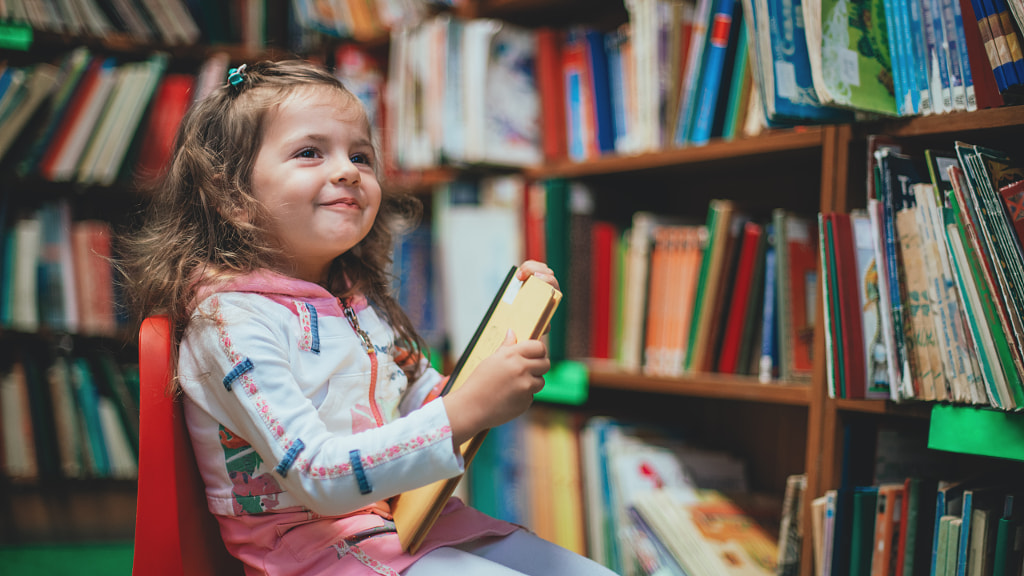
[862, 535]
[526, 309]
[888, 520]
[719, 222]
[751, 248]
[785, 77]
[711, 74]
[767, 354]
[1012, 196]
[604, 238]
[551, 89]
[869, 295]
[851, 319]
[986, 91]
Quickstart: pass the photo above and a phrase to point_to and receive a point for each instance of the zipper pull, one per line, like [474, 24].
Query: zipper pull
[353, 321]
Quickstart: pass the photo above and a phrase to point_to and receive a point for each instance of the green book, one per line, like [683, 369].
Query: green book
[856, 70]
[984, 329]
[557, 239]
[862, 539]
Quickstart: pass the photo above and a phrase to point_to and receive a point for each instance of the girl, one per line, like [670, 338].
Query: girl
[307, 397]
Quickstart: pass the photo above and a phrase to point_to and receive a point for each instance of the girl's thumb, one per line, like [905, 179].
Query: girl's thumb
[510, 338]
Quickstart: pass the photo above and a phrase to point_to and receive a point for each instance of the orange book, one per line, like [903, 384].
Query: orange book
[657, 305]
[887, 529]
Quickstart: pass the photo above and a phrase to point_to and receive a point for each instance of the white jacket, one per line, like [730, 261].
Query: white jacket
[286, 407]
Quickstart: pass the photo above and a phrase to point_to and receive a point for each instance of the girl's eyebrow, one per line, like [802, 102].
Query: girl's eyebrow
[322, 139]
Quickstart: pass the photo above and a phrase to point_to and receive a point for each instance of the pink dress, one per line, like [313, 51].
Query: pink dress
[300, 412]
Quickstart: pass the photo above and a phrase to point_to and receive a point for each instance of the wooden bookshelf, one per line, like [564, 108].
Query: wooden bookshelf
[887, 407]
[720, 386]
[770, 143]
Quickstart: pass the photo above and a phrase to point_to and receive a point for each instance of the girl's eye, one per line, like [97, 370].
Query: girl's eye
[361, 159]
[309, 153]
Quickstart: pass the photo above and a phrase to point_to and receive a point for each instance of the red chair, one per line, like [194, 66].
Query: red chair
[175, 534]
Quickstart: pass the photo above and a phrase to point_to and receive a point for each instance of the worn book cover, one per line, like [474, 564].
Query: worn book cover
[526, 309]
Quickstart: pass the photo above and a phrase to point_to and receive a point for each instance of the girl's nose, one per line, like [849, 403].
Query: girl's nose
[346, 172]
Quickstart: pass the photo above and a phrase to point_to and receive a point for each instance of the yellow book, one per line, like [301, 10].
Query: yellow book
[526, 309]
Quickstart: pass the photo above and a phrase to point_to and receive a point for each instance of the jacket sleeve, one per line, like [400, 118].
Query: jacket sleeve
[424, 388]
[234, 364]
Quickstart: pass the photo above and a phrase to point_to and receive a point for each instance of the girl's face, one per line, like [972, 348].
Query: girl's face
[315, 176]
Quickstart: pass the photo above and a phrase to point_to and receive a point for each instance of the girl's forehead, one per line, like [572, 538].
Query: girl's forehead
[319, 102]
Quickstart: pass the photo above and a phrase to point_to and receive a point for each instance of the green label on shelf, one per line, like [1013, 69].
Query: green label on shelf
[981, 431]
[15, 36]
[565, 383]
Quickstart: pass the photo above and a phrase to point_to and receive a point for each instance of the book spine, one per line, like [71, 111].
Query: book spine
[941, 60]
[920, 52]
[952, 53]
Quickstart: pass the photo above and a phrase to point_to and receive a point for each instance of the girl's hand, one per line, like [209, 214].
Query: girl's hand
[501, 388]
[538, 269]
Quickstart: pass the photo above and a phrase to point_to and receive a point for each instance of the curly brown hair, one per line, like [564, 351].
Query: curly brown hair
[190, 233]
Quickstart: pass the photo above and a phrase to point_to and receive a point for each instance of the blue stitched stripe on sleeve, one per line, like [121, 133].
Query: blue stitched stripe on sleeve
[313, 329]
[289, 457]
[239, 369]
[357, 467]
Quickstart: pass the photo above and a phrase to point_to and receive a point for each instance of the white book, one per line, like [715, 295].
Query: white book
[145, 84]
[28, 237]
[112, 113]
[119, 449]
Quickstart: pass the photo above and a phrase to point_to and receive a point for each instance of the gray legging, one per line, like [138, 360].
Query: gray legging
[519, 553]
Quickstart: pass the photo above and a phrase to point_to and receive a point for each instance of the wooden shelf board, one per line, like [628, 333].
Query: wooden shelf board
[804, 138]
[726, 387]
[957, 122]
[911, 409]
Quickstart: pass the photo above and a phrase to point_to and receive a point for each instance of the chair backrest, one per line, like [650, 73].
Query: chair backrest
[175, 533]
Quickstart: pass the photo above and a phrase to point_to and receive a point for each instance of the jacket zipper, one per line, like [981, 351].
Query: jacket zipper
[353, 321]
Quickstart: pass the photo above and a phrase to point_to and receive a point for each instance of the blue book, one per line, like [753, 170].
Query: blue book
[956, 76]
[912, 97]
[898, 53]
[87, 397]
[935, 36]
[920, 52]
[789, 94]
[711, 77]
[997, 70]
[1012, 38]
[965, 63]
[769, 363]
[575, 96]
[597, 60]
[613, 42]
[990, 8]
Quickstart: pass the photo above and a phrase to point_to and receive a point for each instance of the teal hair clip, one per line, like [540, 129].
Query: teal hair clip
[235, 75]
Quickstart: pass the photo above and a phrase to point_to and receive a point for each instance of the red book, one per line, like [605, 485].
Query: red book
[849, 307]
[75, 106]
[733, 336]
[1013, 198]
[986, 92]
[901, 544]
[602, 277]
[169, 105]
[802, 251]
[535, 221]
[550, 85]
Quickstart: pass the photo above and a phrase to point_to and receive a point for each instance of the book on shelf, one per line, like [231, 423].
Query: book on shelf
[525, 308]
